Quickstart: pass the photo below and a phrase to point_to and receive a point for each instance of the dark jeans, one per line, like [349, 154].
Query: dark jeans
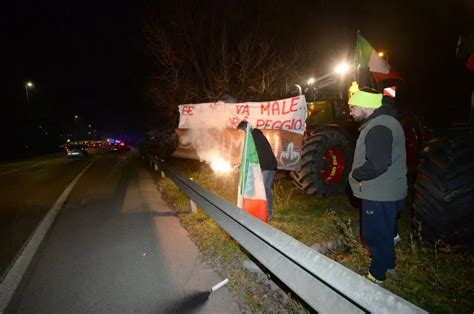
[268, 176]
[379, 221]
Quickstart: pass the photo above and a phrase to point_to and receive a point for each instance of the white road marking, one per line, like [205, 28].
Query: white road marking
[22, 168]
[16, 273]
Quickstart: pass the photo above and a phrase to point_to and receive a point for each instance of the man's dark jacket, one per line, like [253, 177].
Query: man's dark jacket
[264, 151]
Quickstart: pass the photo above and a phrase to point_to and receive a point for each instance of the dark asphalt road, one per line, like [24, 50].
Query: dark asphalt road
[28, 189]
[115, 246]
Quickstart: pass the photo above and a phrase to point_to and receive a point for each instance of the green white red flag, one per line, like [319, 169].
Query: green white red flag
[251, 192]
[367, 56]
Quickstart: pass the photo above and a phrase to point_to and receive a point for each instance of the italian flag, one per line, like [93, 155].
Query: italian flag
[251, 192]
[367, 56]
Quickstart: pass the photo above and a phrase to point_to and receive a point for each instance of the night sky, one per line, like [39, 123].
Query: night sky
[90, 57]
[84, 59]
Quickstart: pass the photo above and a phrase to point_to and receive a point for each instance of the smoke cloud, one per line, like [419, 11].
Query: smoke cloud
[205, 132]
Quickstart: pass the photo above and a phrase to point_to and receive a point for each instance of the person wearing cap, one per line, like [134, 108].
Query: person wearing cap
[378, 176]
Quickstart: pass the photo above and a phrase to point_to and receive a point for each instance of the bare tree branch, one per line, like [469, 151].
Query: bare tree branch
[199, 57]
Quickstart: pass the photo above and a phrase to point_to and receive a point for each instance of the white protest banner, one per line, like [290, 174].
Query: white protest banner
[286, 114]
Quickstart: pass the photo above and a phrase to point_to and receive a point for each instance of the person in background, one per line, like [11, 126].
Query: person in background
[378, 177]
[268, 162]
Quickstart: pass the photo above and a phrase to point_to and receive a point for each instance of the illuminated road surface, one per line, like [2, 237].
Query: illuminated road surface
[116, 247]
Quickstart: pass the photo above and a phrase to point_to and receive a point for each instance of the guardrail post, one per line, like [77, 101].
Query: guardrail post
[192, 205]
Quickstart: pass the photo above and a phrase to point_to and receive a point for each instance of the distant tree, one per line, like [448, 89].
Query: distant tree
[204, 50]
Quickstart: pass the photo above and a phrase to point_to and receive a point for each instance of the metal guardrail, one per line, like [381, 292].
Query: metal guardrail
[324, 284]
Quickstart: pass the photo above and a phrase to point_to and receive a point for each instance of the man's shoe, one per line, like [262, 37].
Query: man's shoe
[396, 239]
[373, 279]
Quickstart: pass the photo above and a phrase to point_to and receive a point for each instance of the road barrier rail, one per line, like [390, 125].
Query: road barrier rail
[324, 284]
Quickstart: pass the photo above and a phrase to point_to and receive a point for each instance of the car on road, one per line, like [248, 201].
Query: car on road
[121, 147]
[76, 150]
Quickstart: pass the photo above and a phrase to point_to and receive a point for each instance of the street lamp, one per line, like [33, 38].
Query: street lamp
[311, 81]
[28, 85]
[75, 131]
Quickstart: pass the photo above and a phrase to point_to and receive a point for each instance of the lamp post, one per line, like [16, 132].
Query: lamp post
[74, 131]
[300, 91]
[28, 85]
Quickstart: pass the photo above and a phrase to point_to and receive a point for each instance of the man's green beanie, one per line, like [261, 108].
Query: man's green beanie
[365, 100]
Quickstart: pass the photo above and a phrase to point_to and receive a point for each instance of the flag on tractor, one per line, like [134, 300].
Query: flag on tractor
[366, 56]
[251, 192]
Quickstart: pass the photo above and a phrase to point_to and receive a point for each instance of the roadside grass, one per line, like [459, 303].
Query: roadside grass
[438, 279]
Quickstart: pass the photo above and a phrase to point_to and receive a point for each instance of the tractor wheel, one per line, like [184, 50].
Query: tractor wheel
[443, 205]
[326, 159]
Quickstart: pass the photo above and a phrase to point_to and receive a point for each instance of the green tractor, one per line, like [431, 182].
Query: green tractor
[327, 149]
[326, 153]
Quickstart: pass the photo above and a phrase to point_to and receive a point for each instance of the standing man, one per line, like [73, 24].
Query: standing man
[268, 162]
[378, 176]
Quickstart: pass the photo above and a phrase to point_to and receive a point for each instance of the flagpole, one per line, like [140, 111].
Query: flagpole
[244, 155]
[246, 147]
[357, 67]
